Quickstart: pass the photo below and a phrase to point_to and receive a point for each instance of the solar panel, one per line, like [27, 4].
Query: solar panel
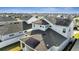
[32, 42]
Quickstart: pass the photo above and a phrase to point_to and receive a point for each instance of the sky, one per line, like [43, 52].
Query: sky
[39, 9]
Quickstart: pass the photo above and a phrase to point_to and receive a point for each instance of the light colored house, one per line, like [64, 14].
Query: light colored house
[40, 25]
[11, 30]
[53, 36]
[10, 33]
[62, 25]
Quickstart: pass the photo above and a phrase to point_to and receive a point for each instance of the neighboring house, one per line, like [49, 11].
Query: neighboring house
[38, 23]
[11, 30]
[76, 23]
[6, 19]
[26, 26]
[25, 17]
[62, 25]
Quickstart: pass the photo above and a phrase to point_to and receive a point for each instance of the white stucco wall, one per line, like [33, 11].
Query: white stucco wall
[59, 29]
[71, 29]
[37, 26]
[9, 42]
[13, 35]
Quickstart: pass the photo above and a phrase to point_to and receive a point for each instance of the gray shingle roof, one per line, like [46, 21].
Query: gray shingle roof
[26, 26]
[6, 19]
[60, 21]
[10, 28]
[50, 37]
[27, 17]
[41, 22]
[63, 22]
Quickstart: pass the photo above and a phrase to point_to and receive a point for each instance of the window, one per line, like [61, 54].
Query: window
[64, 30]
[40, 26]
[50, 26]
